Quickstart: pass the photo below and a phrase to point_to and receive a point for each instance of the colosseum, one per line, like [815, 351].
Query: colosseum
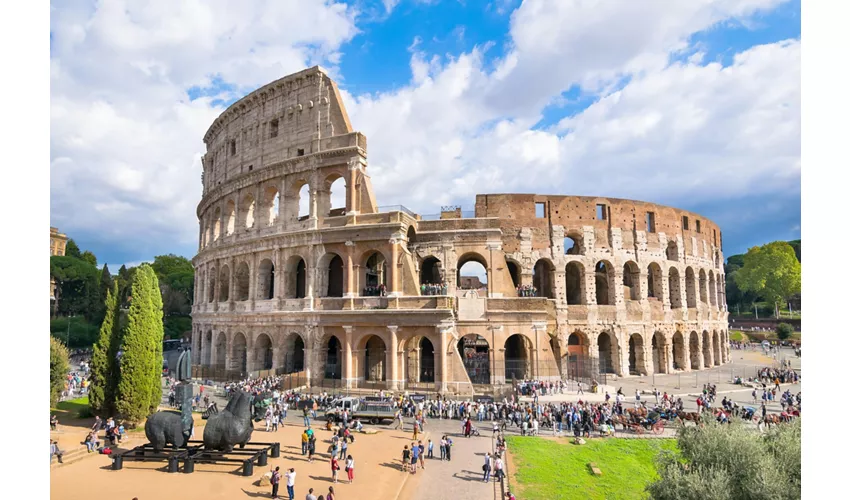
[300, 270]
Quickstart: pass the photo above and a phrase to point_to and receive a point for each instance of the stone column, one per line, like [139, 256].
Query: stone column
[392, 359]
[442, 359]
[228, 355]
[686, 353]
[309, 361]
[644, 286]
[231, 292]
[668, 356]
[314, 209]
[351, 205]
[395, 282]
[217, 287]
[589, 281]
[619, 299]
[347, 340]
[350, 277]
[665, 290]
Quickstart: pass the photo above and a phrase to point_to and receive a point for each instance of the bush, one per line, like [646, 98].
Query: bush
[784, 331]
[732, 461]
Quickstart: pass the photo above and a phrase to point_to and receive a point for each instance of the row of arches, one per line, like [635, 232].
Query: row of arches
[574, 245]
[685, 352]
[250, 211]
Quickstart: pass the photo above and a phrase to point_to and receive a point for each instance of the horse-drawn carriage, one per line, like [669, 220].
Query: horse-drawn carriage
[653, 422]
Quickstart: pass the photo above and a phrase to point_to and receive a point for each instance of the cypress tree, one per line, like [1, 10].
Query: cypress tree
[139, 390]
[104, 369]
[59, 366]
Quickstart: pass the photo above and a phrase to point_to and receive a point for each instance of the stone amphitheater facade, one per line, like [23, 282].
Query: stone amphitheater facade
[283, 278]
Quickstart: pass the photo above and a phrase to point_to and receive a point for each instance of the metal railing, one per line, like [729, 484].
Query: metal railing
[395, 208]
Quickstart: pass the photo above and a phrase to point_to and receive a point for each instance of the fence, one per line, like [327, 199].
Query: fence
[289, 379]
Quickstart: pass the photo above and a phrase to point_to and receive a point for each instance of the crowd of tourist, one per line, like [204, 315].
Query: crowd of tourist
[526, 291]
[434, 289]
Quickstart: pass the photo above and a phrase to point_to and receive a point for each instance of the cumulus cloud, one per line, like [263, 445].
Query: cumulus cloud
[126, 138]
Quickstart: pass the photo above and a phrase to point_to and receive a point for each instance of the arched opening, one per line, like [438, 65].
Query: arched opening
[693, 347]
[296, 278]
[333, 360]
[426, 360]
[211, 287]
[475, 352]
[659, 353]
[654, 282]
[637, 362]
[605, 345]
[513, 270]
[573, 244]
[542, 278]
[718, 360]
[336, 196]
[375, 359]
[216, 223]
[239, 353]
[472, 272]
[230, 217]
[672, 251]
[206, 356]
[224, 284]
[691, 287]
[517, 357]
[221, 350]
[265, 281]
[706, 350]
[411, 237]
[576, 344]
[679, 359]
[248, 208]
[604, 275]
[335, 273]
[375, 275]
[263, 354]
[431, 271]
[292, 349]
[304, 202]
[631, 281]
[703, 287]
[674, 285]
[575, 283]
[712, 289]
[243, 280]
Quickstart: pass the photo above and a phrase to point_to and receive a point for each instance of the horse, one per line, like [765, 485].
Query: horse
[231, 426]
[688, 416]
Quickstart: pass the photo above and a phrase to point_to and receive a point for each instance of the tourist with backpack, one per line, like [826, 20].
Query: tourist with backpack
[275, 480]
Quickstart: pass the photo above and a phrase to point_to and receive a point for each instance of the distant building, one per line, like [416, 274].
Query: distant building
[57, 247]
[470, 283]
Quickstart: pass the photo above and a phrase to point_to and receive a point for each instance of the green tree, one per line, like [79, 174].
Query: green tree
[177, 281]
[771, 272]
[104, 369]
[139, 390]
[720, 461]
[59, 366]
[72, 250]
[784, 331]
[795, 244]
[89, 257]
[77, 288]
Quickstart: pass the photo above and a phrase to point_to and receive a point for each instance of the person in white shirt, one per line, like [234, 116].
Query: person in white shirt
[290, 483]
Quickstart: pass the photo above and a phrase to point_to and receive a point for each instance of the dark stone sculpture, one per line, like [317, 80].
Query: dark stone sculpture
[231, 426]
[166, 427]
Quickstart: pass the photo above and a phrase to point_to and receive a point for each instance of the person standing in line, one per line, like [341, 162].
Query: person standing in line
[275, 480]
[486, 468]
[498, 467]
[421, 455]
[349, 468]
[442, 448]
[334, 468]
[290, 483]
[449, 449]
[414, 457]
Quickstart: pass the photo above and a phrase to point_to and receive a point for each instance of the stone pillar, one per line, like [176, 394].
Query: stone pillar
[249, 357]
[686, 353]
[665, 290]
[351, 205]
[313, 203]
[644, 286]
[347, 372]
[393, 267]
[589, 282]
[231, 289]
[228, 355]
[392, 359]
[309, 361]
[668, 355]
[277, 353]
[442, 359]
[350, 277]
[619, 299]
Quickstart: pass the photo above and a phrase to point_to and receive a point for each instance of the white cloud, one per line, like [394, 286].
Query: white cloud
[125, 138]
[389, 5]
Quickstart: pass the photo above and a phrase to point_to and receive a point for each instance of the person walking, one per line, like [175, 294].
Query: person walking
[275, 480]
[430, 449]
[311, 448]
[290, 483]
[415, 430]
[486, 468]
[334, 468]
[349, 468]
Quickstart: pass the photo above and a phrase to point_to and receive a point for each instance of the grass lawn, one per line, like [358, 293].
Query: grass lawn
[73, 408]
[547, 469]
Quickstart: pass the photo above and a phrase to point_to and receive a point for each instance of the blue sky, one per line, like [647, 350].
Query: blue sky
[689, 104]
